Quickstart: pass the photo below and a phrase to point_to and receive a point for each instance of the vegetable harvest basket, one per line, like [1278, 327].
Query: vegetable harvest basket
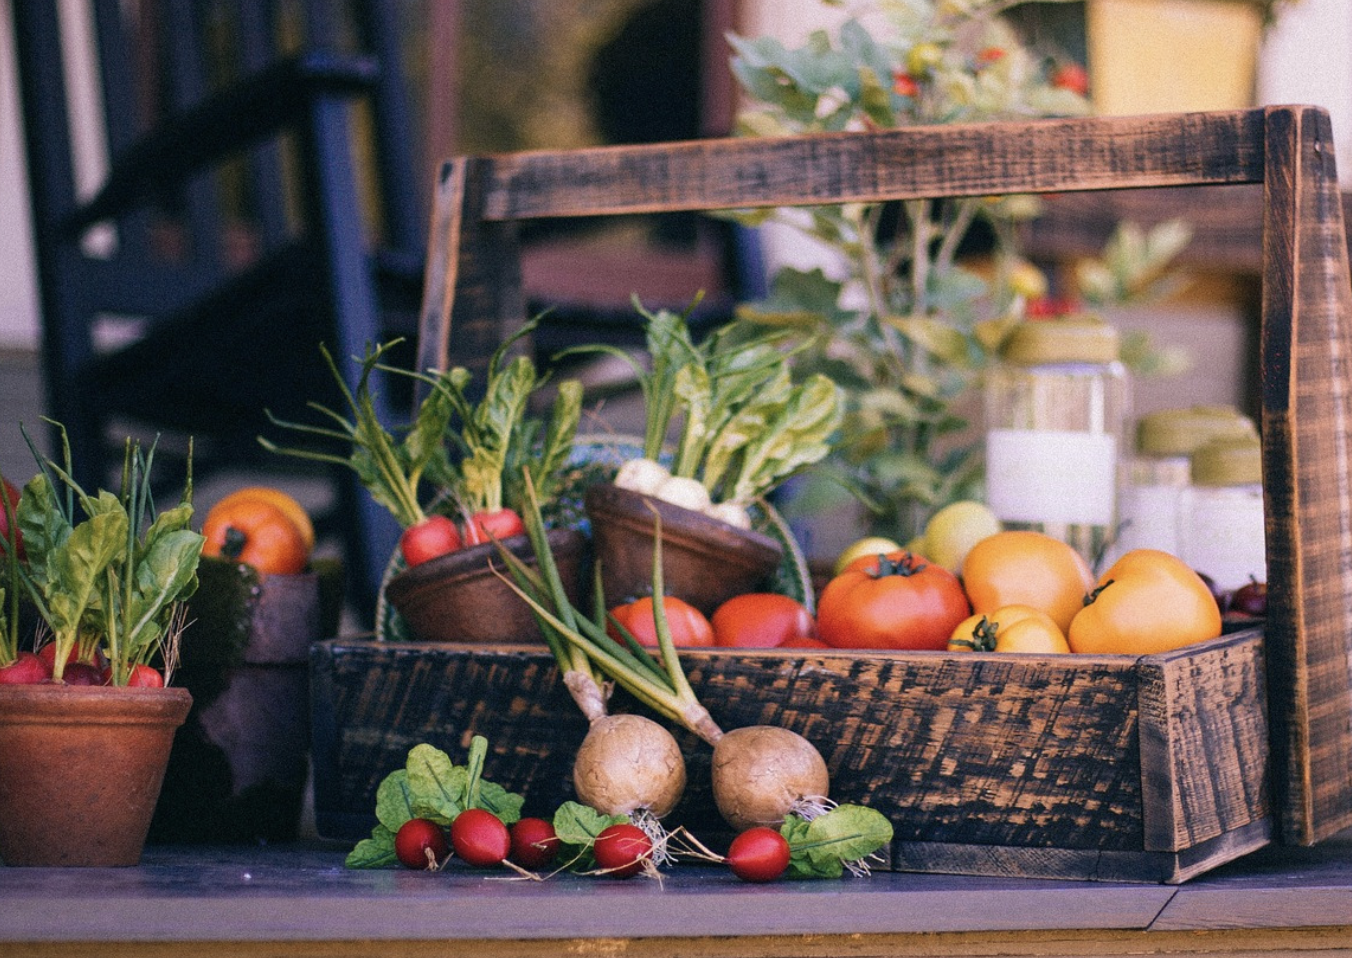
[1155, 768]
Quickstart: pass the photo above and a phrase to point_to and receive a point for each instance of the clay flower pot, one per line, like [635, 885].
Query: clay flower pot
[459, 598]
[704, 561]
[81, 769]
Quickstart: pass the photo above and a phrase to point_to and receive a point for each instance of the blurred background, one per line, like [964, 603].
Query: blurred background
[497, 75]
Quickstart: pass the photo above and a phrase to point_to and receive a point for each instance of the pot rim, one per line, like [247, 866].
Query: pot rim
[470, 562]
[679, 524]
[55, 703]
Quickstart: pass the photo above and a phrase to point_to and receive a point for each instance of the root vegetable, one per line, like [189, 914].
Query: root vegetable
[627, 763]
[759, 854]
[761, 772]
[534, 843]
[685, 492]
[479, 837]
[641, 475]
[622, 851]
[421, 844]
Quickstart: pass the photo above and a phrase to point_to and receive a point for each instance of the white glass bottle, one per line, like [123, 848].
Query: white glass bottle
[1223, 530]
[1056, 406]
[1152, 494]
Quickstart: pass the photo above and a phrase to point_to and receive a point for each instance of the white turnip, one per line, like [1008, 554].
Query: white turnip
[628, 763]
[763, 772]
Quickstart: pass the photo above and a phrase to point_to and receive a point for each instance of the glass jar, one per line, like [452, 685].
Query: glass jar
[1152, 494]
[1056, 406]
[1222, 531]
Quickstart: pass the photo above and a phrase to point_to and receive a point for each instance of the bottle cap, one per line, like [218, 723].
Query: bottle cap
[1071, 339]
[1228, 462]
[1179, 432]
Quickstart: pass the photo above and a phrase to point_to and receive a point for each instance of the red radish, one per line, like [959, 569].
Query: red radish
[493, 524]
[434, 536]
[479, 837]
[144, 677]
[622, 850]
[534, 843]
[420, 843]
[26, 669]
[83, 673]
[759, 854]
[48, 656]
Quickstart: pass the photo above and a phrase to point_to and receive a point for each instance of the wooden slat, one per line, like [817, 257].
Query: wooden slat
[1307, 435]
[957, 160]
[1203, 730]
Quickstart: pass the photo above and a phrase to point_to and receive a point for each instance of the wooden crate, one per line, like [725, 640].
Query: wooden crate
[1102, 767]
[1181, 774]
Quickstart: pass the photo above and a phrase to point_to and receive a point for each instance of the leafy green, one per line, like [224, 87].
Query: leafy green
[431, 786]
[823, 846]
[105, 571]
[577, 826]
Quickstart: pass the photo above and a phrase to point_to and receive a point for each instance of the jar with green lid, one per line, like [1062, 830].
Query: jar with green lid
[1222, 530]
[1056, 406]
[1152, 493]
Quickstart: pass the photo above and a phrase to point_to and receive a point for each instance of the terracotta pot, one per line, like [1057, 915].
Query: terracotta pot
[81, 769]
[459, 598]
[704, 561]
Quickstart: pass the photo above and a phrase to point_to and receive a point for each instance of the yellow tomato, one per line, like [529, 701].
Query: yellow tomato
[1020, 567]
[867, 546]
[954, 529]
[1148, 601]
[1011, 628]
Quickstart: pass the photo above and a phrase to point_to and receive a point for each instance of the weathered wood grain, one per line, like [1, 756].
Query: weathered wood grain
[1306, 384]
[984, 763]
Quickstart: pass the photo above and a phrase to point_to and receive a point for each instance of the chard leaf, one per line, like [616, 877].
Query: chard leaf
[797, 437]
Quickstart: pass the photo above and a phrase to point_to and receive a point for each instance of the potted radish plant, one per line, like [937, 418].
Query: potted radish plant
[84, 740]
[452, 480]
[725, 424]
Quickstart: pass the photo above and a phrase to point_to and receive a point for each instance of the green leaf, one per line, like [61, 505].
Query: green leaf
[436, 786]
[394, 800]
[847, 833]
[374, 852]
[577, 826]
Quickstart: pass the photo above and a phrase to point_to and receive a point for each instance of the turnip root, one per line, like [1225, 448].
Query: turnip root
[685, 492]
[731, 513]
[628, 763]
[763, 772]
[642, 475]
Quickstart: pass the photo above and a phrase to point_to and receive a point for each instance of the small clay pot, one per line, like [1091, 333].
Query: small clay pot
[80, 771]
[704, 561]
[458, 597]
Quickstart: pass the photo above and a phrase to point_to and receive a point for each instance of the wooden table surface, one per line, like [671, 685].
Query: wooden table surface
[299, 900]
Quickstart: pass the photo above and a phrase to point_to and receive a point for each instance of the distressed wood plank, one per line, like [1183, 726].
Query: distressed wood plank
[1203, 731]
[1307, 430]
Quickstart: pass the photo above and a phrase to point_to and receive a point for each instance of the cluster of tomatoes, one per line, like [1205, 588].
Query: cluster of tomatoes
[438, 535]
[261, 527]
[1016, 591]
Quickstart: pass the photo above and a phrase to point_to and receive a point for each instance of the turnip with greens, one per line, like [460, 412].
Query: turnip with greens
[768, 771]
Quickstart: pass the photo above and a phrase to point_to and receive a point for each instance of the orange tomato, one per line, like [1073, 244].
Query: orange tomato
[1148, 601]
[1019, 567]
[689, 626]
[256, 533]
[1012, 628]
[287, 503]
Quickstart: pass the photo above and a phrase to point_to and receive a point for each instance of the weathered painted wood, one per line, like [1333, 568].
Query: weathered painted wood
[1307, 418]
[1009, 763]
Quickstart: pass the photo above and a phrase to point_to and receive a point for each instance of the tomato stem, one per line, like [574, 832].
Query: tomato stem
[906, 565]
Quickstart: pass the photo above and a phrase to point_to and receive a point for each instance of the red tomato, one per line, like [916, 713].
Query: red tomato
[498, 524]
[761, 620]
[434, 536]
[688, 625]
[897, 601]
[1072, 77]
[12, 494]
[805, 642]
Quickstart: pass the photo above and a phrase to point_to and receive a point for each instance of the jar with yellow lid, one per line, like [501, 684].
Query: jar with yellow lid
[1056, 406]
[1152, 493]
[1222, 530]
